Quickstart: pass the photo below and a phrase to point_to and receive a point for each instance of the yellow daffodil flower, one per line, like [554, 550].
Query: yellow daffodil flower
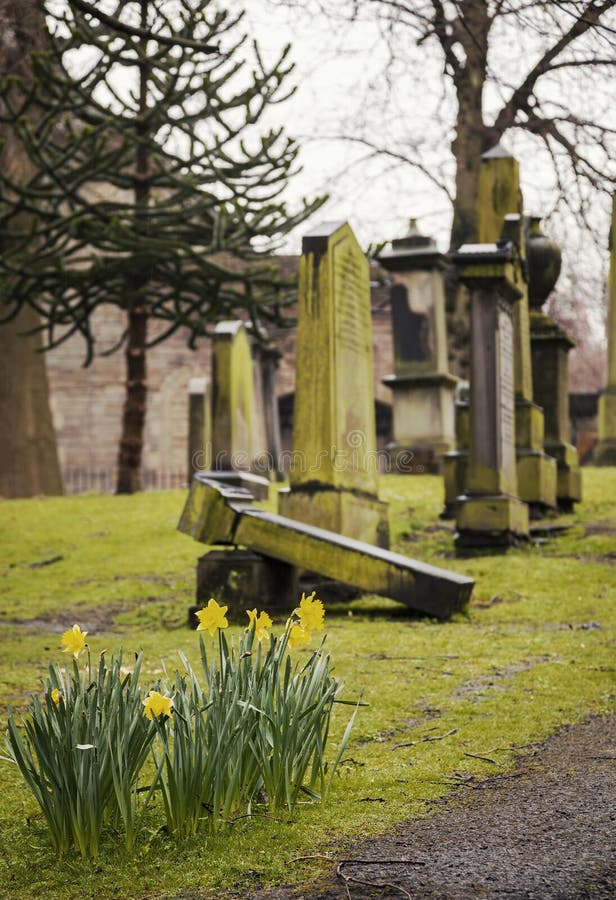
[55, 696]
[157, 705]
[73, 640]
[262, 623]
[212, 617]
[311, 613]
[298, 636]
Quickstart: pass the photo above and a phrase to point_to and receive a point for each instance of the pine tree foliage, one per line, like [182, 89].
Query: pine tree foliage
[155, 187]
[140, 181]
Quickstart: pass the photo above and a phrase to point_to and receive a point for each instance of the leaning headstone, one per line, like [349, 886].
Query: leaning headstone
[499, 197]
[217, 515]
[550, 346]
[423, 389]
[490, 513]
[333, 475]
[199, 426]
[605, 450]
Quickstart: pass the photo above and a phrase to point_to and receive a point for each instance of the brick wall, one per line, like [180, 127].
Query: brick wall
[87, 403]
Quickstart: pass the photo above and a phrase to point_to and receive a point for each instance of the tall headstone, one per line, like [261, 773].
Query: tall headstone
[490, 513]
[265, 365]
[199, 426]
[233, 405]
[333, 475]
[605, 451]
[500, 197]
[423, 389]
[550, 346]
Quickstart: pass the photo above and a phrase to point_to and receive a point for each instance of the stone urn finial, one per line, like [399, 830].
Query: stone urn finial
[413, 239]
[544, 261]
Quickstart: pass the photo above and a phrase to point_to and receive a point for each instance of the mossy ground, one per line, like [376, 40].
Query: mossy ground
[534, 651]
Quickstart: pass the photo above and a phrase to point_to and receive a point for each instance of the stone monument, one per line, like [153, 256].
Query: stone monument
[423, 389]
[238, 431]
[265, 365]
[199, 426]
[605, 451]
[550, 346]
[233, 432]
[499, 197]
[333, 474]
[490, 513]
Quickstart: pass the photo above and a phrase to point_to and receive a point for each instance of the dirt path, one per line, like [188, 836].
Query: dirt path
[545, 830]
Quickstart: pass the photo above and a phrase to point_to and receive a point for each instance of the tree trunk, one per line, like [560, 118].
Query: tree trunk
[28, 453]
[133, 416]
[472, 139]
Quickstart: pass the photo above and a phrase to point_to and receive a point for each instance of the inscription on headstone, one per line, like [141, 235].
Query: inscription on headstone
[506, 398]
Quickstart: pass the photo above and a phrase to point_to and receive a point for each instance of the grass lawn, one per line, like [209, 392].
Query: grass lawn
[535, 650]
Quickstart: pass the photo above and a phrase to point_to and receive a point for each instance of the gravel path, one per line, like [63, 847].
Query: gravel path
[545, 830]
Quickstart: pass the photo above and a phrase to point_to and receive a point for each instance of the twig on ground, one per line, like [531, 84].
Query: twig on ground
[485, 758]
[312, 856]
[350, 879]
[435, 737]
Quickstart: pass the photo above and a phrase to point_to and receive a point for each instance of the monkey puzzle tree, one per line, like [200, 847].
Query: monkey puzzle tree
[154, 188]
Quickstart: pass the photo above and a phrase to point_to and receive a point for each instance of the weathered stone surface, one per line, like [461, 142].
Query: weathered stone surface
[423, 389]
[500, 198]
[217, 515]
[199, 426]
[258, 485]
[605, 451]
[233, 404]
[242, 579]
[334, 435]
[550, 347]
[490, 511]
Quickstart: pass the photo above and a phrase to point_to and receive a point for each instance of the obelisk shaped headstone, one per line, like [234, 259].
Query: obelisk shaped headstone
[605, 451]
[499, 197]
[423, 389]
[550, 346]
[333, 474]
[490, 513]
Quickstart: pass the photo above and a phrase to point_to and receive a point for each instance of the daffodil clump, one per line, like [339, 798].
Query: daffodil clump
[249, 729]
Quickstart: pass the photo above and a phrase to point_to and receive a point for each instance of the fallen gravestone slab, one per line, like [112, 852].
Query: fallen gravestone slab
[216, 514]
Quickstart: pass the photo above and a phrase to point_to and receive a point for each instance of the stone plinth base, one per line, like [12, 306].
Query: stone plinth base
[241, 580]
[569, 479]
[360, 516]
[529, 425]
[455, 465]
[416, 460]
[537, 479]
[536, 471]
[423, 420]
[491, 521]
[604, 453]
